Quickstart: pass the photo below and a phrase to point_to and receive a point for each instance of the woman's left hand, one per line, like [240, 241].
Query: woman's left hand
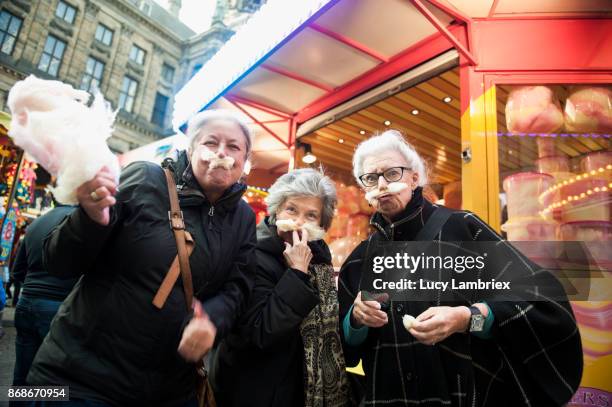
[438, 323]
[198, 336]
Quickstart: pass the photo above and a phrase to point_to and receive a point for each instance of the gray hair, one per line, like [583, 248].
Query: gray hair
[303, 182]
[203, 118]
[384, 142]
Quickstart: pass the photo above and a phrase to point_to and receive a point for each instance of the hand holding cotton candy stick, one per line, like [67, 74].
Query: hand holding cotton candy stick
[53, 124]
[199, 335]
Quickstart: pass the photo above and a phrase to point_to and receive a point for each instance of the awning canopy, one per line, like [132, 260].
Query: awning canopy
[294, 60]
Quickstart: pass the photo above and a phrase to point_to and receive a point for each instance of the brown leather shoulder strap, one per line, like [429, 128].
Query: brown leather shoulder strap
[183, 239]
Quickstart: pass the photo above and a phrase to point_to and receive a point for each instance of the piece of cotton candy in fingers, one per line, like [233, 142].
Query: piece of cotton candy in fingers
[408, 321]
[53, 125]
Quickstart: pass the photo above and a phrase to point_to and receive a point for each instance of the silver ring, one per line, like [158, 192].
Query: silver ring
[94, 196]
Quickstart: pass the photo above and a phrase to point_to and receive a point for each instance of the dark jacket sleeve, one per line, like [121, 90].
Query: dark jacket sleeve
[348, 288]
[278, 306]
[534, 326]
[72, 248]
[20, 267]
[229, 304]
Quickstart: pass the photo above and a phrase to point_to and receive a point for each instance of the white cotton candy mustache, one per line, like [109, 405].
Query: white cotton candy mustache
[314, 232]
[215, 162]
[392, 188]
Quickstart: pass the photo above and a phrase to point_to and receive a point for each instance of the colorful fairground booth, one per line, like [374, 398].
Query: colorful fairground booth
[22, 196]
[509, 101]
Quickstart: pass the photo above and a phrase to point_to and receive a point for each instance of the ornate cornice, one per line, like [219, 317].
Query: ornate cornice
[62, 26]
[134, 13]
[126, 29]
[18, 7]
[135, 68]
[101, 48]
[91, 8]
[135, 123]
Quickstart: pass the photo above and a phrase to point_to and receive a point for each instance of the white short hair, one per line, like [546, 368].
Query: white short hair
[303, 182]
[390, 140]
[202, 118]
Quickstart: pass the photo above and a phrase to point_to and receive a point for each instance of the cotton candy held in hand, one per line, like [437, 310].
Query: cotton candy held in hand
[408, 321]
[288, 225]
[53, 124]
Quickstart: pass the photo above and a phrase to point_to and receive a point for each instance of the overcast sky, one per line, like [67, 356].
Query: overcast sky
[196, 14]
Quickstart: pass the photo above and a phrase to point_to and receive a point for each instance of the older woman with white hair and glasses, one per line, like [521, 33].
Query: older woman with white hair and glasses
[288, 351]
[489, 352]
[118, 339]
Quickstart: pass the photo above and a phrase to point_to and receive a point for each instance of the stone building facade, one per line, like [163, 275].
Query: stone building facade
[136, 52]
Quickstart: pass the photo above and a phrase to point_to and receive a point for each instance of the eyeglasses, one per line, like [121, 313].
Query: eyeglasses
[392, 174]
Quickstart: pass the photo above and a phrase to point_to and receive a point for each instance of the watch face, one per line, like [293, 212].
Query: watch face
[477, 323]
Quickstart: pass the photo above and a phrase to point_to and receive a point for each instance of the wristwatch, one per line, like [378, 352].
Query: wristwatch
[477, 320]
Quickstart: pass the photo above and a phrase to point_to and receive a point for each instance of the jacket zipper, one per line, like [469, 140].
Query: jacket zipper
[211, 213]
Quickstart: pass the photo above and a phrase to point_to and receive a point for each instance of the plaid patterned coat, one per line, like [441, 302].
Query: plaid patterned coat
[534, 357]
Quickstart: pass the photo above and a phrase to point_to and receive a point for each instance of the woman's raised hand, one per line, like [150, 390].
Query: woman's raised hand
[298, 255]
[96, 196]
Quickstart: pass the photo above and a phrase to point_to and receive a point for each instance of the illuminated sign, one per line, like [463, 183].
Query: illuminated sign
[266, 30]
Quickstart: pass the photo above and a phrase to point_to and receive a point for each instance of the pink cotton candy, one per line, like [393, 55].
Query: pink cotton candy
[53, 124]
[589, 109]
[533, 109]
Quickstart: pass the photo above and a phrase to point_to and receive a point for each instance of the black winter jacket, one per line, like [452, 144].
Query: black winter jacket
[108, 342]
[29, 269]
[264, 365]
[510, 369]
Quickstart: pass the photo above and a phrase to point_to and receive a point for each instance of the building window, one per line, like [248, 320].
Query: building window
[65, 11]
[146, 8]
[159, 109]
[167, 73]
[137, 55]
[51, 57]
[129, 87]
[104, 34]
[9, 31]
[93, 75]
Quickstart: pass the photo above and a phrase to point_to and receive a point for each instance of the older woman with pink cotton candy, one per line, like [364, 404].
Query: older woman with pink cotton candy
[127, 334]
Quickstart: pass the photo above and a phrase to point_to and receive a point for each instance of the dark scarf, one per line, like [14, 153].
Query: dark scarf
[325, 379]
[405, 225]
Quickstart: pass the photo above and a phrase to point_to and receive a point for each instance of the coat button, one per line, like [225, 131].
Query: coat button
[410, 376]
[399, 308]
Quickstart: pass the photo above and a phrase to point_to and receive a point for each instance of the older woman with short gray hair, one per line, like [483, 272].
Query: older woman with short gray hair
[148, 344]
[289, 352]
[463, 351]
